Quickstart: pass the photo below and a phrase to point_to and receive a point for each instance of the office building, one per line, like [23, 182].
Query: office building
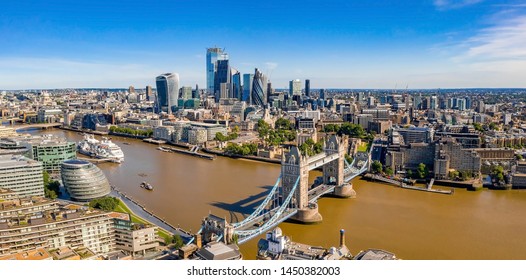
[259, 89]
[196, 93]
[212, 54]
[307, 87]
[417, 102]
[133, 238]
[370, 101]
[469, 103]
[149, 93]
[21, 175]
[93, 121]
[163, 133]
[248, 79]
[362, 120]
[416, 134]
[237, 91]
[49, 115]
[50, 151]
[295, 87]
[433, 102]
[197, 135]
[480, 106]
[186, 93]
[83, 180]
[7, 132]
[167, 91]
[223, 75]
[461, 104]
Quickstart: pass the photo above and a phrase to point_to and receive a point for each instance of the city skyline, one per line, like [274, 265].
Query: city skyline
[348, 44]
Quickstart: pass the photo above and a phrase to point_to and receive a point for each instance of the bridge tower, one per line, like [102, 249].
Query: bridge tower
[333, 172]
[215, 228]
[293, 164]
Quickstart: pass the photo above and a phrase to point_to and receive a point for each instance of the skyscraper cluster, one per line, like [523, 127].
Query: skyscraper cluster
[224, 81]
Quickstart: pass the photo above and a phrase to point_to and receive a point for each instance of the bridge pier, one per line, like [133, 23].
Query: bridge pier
[308, 215]
[345, 190]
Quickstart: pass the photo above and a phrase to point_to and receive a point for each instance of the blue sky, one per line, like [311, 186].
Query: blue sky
[335, 44]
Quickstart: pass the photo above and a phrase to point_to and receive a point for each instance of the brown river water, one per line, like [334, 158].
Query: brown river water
[412, 224]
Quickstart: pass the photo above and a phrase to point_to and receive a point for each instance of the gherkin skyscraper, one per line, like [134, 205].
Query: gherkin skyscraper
[259, 89]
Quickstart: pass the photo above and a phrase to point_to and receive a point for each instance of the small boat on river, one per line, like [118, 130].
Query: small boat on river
[146, 186]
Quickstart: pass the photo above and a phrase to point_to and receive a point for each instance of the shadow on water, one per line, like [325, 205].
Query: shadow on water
[240, 209]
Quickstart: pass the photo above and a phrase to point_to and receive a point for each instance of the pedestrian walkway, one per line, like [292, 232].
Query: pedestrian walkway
[139, 211]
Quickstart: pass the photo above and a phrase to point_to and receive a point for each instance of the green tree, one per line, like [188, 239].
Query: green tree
[389, 171]
[518, 156]
[352, 130]
[263, 128]
[309, 148]
[284, 124]
[498, 173]
[105, 203]
[348, 158]
[493, 126]
[45, 174]
[409, 173]
[478, 127]
[422, 171]
[51, 187]
[244, 149]
[331, 128]
[220, 137]
[454, 175]
[376, 167]
[177, 240]
[50, 194]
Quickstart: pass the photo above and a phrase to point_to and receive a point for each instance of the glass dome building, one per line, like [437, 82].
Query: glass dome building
[83, 180]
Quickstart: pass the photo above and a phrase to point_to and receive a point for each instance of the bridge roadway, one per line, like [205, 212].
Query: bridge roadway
[257, 224]
[37, 125]
[321, 159]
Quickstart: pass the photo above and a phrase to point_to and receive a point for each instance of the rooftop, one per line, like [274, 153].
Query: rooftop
[219, 251]
[35, 255]
[118, 215]
[9, 161]
[76, 162]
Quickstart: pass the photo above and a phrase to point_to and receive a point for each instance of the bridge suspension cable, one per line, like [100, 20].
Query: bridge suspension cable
[261, 207]
[272, 221]
[193, 237]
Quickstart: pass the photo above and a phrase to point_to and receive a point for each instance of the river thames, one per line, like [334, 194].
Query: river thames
[414, 225]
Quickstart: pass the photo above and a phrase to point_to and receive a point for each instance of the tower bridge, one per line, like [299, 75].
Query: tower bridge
[291, 197]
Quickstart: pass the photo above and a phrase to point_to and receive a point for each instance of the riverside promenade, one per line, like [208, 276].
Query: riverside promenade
[140, 211]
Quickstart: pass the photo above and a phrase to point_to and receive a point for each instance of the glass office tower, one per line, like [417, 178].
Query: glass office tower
[247, 87]
[212, 54]
[259, 88]
[167, 92]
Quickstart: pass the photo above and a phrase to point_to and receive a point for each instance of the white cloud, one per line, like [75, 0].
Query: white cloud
[453, 4]
[271, 65]
[506, 40]
[495, 56]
